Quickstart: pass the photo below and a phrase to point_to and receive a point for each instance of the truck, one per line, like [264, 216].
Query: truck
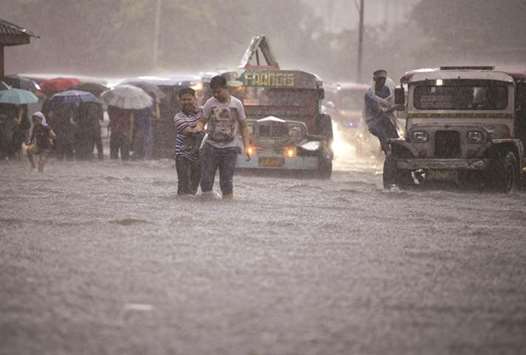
[463, 124]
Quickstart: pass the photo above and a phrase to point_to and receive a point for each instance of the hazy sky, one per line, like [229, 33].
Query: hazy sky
[343, 14]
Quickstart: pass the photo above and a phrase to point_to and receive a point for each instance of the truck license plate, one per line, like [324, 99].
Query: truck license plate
[271, 162]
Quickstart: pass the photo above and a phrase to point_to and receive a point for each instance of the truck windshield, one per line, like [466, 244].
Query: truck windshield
[461, 95]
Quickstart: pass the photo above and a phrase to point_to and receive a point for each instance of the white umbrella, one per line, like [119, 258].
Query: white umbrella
[127, 97]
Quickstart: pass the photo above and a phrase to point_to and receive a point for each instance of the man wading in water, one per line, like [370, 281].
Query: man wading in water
[225, 118]
[187, 143]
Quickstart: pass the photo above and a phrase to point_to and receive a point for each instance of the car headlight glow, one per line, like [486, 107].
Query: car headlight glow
[251, 150]
[290, 152]
[420, 136]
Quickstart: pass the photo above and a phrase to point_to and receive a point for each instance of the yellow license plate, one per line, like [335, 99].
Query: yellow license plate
[271, 162]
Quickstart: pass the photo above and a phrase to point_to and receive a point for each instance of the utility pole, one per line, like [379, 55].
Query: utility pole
[157, 33]
[360, 43]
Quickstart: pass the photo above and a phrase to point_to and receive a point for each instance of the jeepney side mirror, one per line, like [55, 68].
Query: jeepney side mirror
[399, 98]
[321, 94]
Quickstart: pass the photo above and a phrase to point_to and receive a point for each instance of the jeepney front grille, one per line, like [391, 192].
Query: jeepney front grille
[273, 130]
[447, 144]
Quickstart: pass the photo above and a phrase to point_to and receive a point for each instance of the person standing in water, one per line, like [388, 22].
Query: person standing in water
[225, 118]
[187, 143]
[40, 141]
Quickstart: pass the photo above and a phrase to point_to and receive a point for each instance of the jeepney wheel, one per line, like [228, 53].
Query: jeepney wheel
[505, 173]
[325, 169]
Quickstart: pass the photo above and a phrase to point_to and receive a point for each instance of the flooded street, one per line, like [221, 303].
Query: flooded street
[104, 258]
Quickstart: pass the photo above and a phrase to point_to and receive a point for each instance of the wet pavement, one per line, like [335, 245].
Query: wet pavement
[103, 258]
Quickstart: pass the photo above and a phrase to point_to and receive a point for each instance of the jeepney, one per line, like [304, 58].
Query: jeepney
[463, 124]
[344, 102]
[288, 129]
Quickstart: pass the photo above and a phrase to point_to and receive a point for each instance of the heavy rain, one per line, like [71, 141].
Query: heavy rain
[262, 177]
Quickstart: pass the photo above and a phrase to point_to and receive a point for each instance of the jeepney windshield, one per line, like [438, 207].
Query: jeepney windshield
[281, 102]
[461, 95]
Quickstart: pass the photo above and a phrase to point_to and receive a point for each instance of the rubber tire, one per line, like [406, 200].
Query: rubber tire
[505, 174]
[325, 169]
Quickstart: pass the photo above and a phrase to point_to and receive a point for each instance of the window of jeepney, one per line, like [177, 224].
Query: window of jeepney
[299, 99]
[461, 95]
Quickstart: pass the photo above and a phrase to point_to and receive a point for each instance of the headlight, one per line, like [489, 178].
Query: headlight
[475, 137]
[290, 152]
[420, 136]
[251, 150]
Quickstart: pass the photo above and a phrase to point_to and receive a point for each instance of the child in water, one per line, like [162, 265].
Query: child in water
[40, 141]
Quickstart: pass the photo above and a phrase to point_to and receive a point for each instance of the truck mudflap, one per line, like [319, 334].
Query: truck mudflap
[278, 162]
[443, 164]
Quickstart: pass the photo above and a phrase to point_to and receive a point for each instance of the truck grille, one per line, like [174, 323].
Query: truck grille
[447, 144]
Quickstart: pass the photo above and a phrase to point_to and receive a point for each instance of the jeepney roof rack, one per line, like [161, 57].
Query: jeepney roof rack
[260, 51]
[468, 67]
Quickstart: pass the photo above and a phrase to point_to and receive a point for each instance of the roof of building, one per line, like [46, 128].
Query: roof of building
[12, 35]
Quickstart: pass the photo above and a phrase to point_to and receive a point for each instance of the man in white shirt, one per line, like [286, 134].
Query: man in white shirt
[225, 118]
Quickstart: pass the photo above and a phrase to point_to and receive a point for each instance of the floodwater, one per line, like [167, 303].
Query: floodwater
[103, 258]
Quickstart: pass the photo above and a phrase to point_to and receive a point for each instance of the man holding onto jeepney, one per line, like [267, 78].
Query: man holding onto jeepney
[379, 107]
[225, 118]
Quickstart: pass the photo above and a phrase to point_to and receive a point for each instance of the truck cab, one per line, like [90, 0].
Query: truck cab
[464, 124]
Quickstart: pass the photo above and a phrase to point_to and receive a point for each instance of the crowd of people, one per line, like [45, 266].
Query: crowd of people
[77, 130]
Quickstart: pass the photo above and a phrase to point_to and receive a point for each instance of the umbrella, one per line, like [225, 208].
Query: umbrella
[94, 88]
[127, 97]
[150, 89]
[20, 82]
[71, 97]
[17, 97]
[58, 84]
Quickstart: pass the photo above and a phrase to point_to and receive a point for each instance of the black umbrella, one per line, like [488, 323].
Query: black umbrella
[94, 88]
[20, 82]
